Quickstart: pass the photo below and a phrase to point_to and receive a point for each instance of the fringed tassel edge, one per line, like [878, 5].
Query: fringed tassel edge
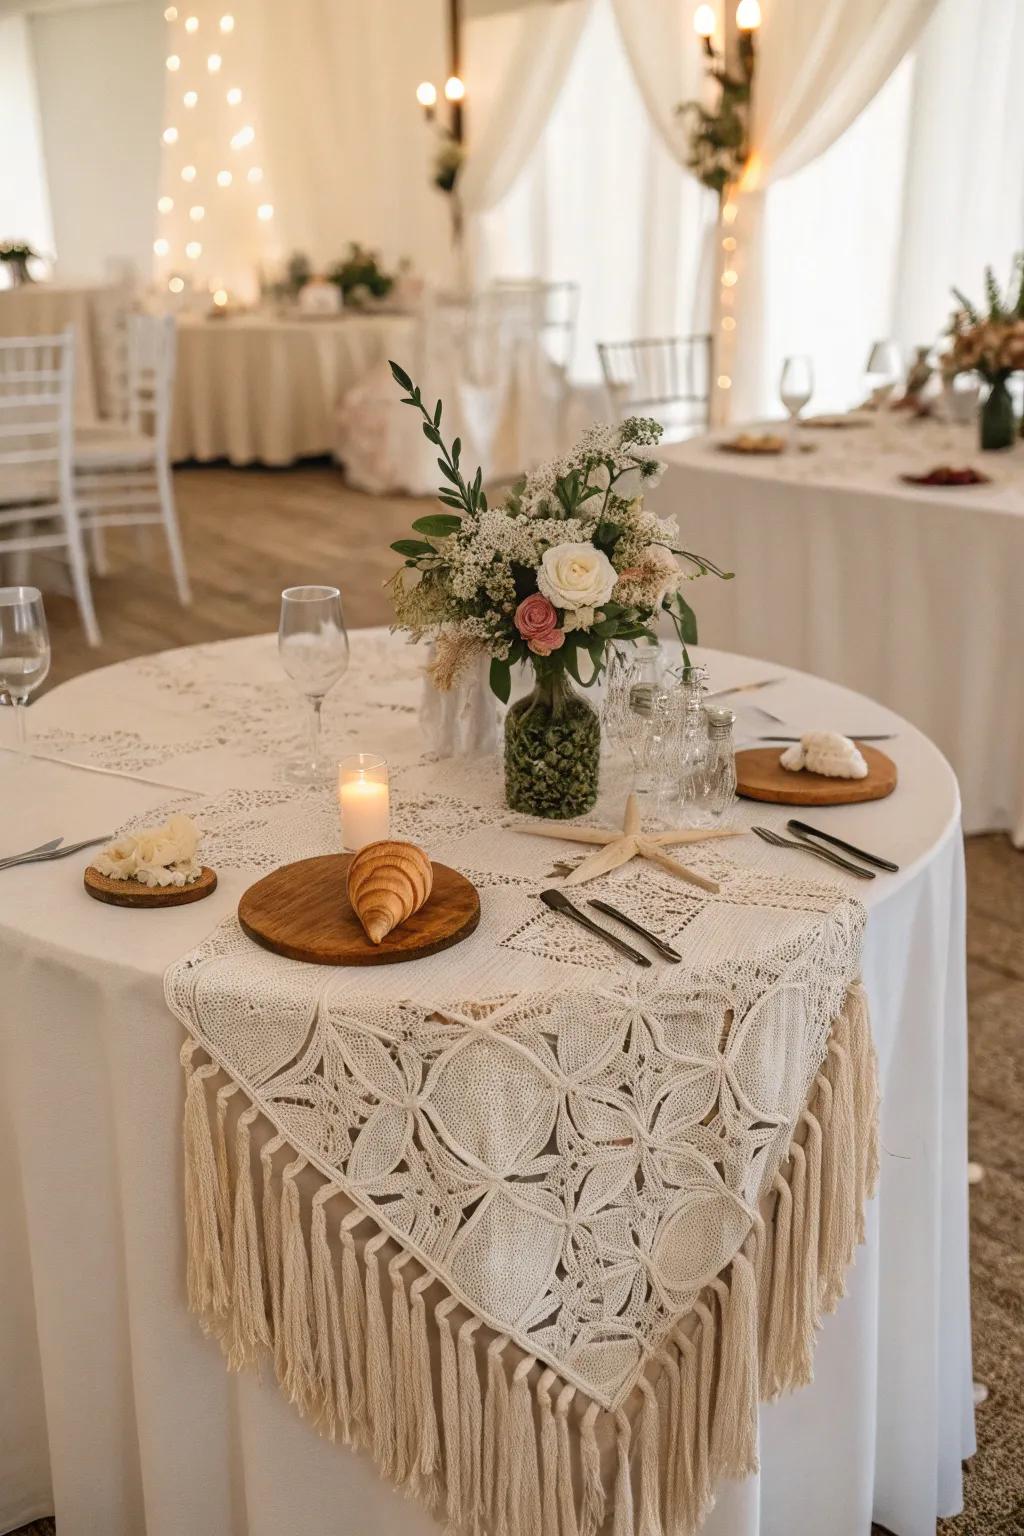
[488, 1444]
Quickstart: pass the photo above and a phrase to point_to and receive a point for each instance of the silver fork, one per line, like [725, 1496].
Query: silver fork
[768, 836]
[55, 853]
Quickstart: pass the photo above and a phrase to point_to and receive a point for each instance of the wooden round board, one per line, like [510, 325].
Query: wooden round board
[301, 911]
[129, 893]
[759, 776]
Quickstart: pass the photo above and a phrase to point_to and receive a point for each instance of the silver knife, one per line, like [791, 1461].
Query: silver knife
[725, 693]
[13, 858]
[558, 902]
[55, 853]
[665, 950]
[805, 830]
[854, 736]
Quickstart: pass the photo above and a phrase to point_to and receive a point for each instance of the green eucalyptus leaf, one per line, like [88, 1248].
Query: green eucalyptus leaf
[501, 678]
[413, 547]
[438, 525]
[400, 376]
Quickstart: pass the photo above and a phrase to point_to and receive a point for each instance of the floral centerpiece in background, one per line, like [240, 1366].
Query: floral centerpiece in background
[360, 276]
[570, 562]
[15, 256]
[991, 343]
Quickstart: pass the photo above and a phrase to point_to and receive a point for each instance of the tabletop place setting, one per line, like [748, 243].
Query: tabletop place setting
[511, 536]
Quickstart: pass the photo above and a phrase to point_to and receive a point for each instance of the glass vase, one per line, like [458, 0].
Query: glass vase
[996, 422]
[552, 751]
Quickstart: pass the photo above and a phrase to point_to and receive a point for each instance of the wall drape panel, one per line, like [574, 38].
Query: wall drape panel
[24, 196]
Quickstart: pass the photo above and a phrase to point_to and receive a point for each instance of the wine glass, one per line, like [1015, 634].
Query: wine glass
[796, 386]
[312, 643]
[24, 650]
[883, 371]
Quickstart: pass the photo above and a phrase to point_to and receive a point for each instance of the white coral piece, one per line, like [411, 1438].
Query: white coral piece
[156, 856]
[828, 753]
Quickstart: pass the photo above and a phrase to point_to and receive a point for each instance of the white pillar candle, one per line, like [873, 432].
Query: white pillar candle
[364, 800]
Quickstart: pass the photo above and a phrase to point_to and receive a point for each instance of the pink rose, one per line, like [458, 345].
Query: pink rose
[543, 645]
[535, 617]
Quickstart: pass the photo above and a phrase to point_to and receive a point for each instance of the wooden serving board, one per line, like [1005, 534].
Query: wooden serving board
[759, 776]
[129, 893]
[301, 911]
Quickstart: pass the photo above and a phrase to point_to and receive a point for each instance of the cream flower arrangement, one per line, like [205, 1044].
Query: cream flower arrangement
[569, 562]
[156, 856]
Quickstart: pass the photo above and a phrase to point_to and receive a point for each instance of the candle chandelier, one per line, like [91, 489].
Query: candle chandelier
[719, 135]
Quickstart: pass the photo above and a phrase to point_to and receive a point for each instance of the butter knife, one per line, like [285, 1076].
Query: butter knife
[806, 831]
[14, 858]
[558, 902]
[665, 950]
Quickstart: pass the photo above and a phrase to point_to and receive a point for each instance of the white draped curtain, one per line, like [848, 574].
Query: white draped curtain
[24, 194]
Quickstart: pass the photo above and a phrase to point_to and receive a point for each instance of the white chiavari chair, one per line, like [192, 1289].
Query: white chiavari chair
[668, 378]
[122, 472]
[38, 510]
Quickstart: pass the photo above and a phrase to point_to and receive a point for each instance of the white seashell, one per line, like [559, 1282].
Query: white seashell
[828, 753]
[156, 856]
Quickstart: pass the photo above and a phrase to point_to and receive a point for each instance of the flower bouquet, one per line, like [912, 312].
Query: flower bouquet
[991, 344]
[569, 563]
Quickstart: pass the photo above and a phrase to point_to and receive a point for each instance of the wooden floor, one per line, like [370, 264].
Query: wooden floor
[248, 533]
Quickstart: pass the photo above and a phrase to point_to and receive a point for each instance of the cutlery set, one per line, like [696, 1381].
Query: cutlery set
[807, 839]
[51, 850]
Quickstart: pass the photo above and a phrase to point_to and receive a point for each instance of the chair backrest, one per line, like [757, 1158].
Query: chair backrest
[668, 378]
[36, 413]
[152, 346]
[552, 309]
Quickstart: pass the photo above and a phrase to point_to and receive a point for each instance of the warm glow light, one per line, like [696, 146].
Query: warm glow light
[160, 247]
[234, 96]
[227, 23]
[265, 211]
[170, 135]
[426, 94]
[214, 62]
[724, 381]
[223, 178]
[454, 90]
[191, 23]
[748, 15]
[255, 173]
[220, 298]
[728, 323]
[196, 213]
[729, 278]
[704, 21]
[193, 249]
[188, 173]
[171, 13]
[173, 62]
[165, 204]
[176, 284]
[729, 243]
[243, 137]
[190, 98]
[729, 213]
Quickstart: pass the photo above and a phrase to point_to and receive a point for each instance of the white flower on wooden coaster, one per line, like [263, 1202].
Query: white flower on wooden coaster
[156, 856]
[828, 753]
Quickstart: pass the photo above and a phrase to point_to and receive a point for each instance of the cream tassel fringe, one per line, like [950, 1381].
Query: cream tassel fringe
[493, 1441]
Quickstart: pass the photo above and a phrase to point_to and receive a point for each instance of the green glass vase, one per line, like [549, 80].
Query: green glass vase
[997, 423]
[552, 750]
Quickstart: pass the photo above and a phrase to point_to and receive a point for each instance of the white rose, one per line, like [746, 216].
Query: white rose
[576, 576]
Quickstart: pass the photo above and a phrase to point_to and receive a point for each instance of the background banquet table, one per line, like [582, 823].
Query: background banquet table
[45, 309]
[125, 1419]
[265, 389]
[909, 594]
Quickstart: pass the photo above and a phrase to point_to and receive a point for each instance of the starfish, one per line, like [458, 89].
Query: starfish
[617, 846]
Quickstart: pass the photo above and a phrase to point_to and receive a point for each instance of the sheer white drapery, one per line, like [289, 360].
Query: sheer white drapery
[24, 198]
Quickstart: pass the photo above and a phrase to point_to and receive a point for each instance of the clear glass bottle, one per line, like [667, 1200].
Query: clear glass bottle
[719, 795]
[677, 748]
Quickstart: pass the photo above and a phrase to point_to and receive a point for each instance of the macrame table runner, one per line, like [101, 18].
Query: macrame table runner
[534, 1232]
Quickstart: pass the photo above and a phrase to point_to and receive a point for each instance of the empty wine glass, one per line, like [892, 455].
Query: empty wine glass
[312, 643]
[24, 650]
[796, 386]
[883, 371]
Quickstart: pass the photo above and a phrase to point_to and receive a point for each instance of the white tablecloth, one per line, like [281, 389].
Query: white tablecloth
[120, 1414]
[910, 595]
[44, 309]
[258, 389]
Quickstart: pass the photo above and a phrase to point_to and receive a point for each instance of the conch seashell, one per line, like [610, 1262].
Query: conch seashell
[828, 753]
[387, 883]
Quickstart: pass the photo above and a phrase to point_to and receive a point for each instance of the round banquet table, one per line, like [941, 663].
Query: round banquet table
[916, 590]
[45, 309]
[261, 389]
[120, 1415]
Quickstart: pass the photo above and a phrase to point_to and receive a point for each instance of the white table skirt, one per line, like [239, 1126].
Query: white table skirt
[45, 309]
[257, 389]
[120, 1415]
[909, 595]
